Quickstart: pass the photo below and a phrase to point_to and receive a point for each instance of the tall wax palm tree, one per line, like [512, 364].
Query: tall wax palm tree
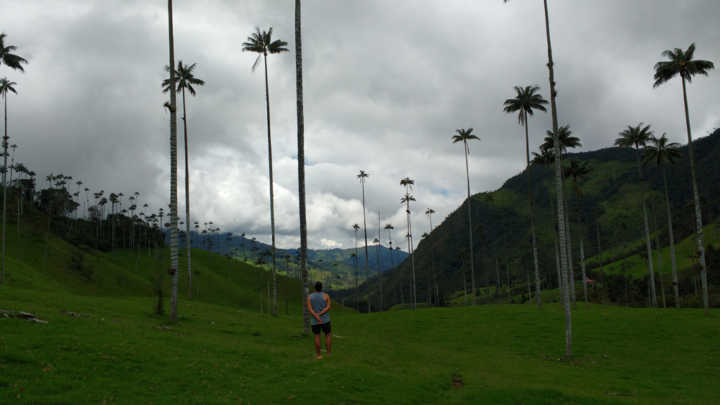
[558, 181]
[683, 64]
[6, 87]
[380, 270]
[409, 184]
[261, 42]
[524, 103]
[378, 245]
[662, 154]
[301, 159]
[465, 135]
[429, 213]
[566, 140]
[356, 228]
[389, 228]
[363, 175]
[577, 171]
[172, 106]
[185, 79]
[635, 137]
[8, 58]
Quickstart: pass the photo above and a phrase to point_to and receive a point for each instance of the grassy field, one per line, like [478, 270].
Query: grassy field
[102, 342]
[115, 351]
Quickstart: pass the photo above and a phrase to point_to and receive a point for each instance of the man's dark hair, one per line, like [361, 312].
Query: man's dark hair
[318, 286]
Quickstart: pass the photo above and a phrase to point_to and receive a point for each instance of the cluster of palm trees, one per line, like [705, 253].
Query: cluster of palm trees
[15, 62]
[678, 62]
[259, 42]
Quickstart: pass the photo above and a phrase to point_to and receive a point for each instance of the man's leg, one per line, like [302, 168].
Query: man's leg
[317, 345]
[327, 342]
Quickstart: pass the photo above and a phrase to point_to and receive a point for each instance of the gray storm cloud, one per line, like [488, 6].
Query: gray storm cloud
[386, 85]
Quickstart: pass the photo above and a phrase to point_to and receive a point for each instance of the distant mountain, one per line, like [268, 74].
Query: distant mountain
[334, 265]
[607, 217]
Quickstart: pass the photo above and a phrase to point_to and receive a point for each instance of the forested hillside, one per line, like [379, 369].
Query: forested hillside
[604, 211]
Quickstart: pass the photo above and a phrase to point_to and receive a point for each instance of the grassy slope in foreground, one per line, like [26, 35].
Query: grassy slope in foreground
[120, 353]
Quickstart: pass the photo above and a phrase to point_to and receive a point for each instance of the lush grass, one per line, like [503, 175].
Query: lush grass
[119, 353]
[224, 350]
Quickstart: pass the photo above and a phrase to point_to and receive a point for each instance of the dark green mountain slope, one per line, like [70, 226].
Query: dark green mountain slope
[607, 217]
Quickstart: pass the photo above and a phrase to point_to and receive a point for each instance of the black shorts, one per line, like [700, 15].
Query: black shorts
[325, 327]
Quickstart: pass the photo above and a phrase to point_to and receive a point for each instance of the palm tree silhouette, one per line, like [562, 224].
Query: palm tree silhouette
[409, 183]
[301, 159]
[172, 106]
[8, 58]
[465, 135]
[565, 140]
[378, 245]
[429, 213]
[261, 43]
[565, 137]
[577, 171]
[6, 87]
[389, 228]
[682, 63]
[662, 154]
[363, 175]
[524, 103]
[356, 228]
[558, 182]
[635, 137]
[185, 79]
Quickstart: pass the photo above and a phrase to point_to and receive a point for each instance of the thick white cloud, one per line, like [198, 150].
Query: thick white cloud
[386, 85]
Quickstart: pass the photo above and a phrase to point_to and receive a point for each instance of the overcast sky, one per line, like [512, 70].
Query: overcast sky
[386, 85]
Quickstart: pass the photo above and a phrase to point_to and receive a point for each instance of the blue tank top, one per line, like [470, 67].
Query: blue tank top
[317, 301]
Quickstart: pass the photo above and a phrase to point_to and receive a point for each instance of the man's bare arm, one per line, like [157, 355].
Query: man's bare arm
[310, 309]
[327, 305]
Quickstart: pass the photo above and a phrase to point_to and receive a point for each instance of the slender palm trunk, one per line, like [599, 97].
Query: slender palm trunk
[558, 186]
[4, 177]
[410, 251]
[380, 271]
[432, 261]
[173, 172]
[497, 276]
[557, 266]
[538, 298]
[470, 228]
[698, 213]
[571, 269]
[188, 238]
[582, 267]
[272, 194]
[659, 255]
[648, 243]
[357, 283]
[301, 162]
[673, 260]
[367, 268]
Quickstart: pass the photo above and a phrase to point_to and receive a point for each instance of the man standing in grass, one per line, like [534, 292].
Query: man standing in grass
[318, 304]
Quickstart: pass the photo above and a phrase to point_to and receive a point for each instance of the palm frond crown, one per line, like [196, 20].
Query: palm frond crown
[6, 86]
[634, 136]
[525, 102]
[7, 56]
[261, 43]
[565, 138]
[660, 152]
[682, 63]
